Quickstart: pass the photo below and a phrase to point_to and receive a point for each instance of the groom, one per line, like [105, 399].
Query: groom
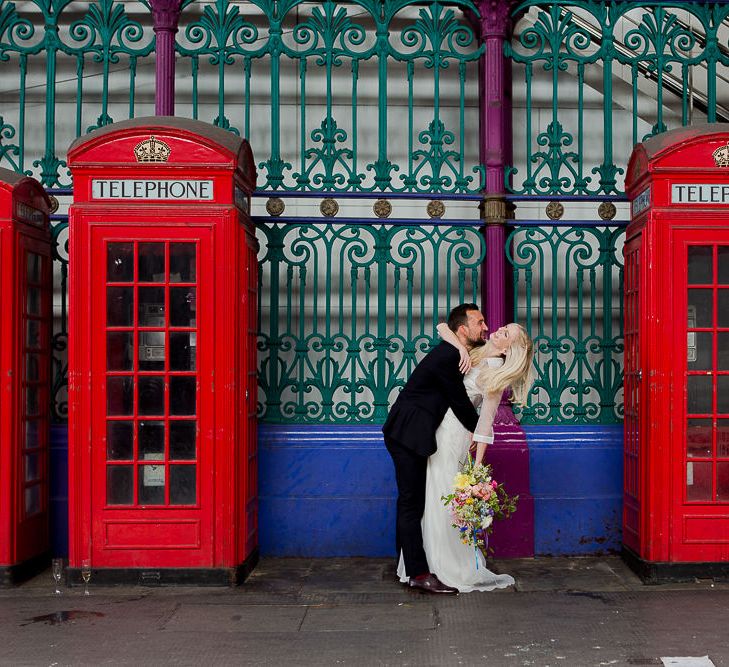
[435, 385]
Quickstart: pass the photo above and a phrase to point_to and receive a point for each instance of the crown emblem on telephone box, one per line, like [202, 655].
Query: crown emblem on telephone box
[152, 150]
[721, 156]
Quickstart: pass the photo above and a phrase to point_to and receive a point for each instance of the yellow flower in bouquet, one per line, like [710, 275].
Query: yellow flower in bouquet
[461, 481]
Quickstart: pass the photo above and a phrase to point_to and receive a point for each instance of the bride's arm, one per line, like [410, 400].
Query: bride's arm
[464, 365]
[484, 433]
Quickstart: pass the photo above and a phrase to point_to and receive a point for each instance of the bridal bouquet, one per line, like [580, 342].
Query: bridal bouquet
[477, 500]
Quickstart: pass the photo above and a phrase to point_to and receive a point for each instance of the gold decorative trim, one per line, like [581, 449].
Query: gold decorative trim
[54, 204]
[721, 156]
[554, 210]
[329, 207]
[436, 208]
[493, 209]
[382, 208]
[275, 206]
[606, 210]
[152, 150]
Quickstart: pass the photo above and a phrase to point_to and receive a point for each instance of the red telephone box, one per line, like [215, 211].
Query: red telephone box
[162, 388]
[676, 389]
[25, 349]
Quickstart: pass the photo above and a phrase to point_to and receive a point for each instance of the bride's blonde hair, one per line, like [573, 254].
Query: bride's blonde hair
[516, 372]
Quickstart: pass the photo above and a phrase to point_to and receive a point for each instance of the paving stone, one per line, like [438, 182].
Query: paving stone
[402, 616]
[236, 618]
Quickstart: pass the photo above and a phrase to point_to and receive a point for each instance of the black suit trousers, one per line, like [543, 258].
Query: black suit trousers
[410, 473]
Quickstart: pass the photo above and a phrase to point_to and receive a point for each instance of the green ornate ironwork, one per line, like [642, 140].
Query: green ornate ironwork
[61, 48]
[310, 58]
[655, 64]
[346, 312]
[568, 286]
[377, 96]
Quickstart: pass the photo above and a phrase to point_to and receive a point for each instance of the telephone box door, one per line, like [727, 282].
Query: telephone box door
[152, 458]
[632, 386]
[700, 397]
[33, 414]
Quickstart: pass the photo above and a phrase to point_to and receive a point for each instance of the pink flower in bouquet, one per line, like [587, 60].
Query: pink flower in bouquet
[482, 491]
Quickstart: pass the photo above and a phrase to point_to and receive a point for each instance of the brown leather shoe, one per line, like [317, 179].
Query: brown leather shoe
[431, 584]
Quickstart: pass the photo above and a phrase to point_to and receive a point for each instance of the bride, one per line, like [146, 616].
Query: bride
[505, 361]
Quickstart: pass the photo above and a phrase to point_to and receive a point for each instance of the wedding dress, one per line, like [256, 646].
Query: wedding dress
[454, 563]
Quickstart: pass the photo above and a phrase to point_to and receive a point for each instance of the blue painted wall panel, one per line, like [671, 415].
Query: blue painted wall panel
[325, 491]
[325, 527]
[577, 526]
[577, 483]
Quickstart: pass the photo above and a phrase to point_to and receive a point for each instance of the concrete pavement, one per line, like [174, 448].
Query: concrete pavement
[562, 611]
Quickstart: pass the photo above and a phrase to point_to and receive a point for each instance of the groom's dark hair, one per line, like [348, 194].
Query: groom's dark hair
[459, 315]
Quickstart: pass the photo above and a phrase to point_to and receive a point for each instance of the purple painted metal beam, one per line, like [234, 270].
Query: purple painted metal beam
[165, 17]
[494, 149]
[510, 452]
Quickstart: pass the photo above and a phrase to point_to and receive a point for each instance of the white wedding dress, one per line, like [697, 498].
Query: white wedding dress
[454, 563]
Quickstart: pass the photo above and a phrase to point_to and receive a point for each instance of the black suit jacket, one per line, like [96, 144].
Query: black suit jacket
[435, 385]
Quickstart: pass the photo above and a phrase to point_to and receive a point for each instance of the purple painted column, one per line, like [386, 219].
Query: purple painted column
[165, 16]
[509, 454]
[494, 153]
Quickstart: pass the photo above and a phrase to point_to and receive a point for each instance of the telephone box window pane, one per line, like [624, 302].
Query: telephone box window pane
[182, 440]
[182, 485]
[119, 395]
[722, 437]
[151, 395]
[182, 350]
[32, 467]
[119, 440]
[31, 435]
[35, 268]
[700, 264]
[723, 265]
[33, 334]
[151, 350]
[151, 306]
[152, 440]
[182, 395]
[151, 262]
[700, 308]
[699, 394]
[182, 263]
[34, 301]
[32, 367]
[698, 438]
[722, 307]
[722, 351]
[119, 302]
[120, 263]
[698, 481]
[182, 306]
[119, 350]
[722, 481]
[700, 351]
[31, 400]
[722, 394]
[151, 484]
[32, 500]
[119, 485]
